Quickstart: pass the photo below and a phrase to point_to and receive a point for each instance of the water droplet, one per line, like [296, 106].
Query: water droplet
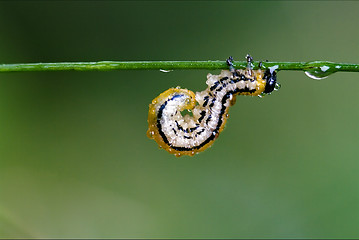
[277, 86]
[320, 70]
[165, 71]
[261, 95]
[317, 74]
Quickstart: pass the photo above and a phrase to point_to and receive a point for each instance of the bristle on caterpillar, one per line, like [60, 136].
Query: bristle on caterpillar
[188, 135]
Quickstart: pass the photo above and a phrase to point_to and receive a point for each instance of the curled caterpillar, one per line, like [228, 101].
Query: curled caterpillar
[188, 135]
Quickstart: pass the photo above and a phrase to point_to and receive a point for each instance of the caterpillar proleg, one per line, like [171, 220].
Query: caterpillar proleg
[188, 135]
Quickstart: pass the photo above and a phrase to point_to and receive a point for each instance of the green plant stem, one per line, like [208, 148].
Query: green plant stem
[169, 65]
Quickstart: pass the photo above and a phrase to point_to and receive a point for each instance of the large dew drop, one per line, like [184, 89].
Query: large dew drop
[320, 71]
[317, 75]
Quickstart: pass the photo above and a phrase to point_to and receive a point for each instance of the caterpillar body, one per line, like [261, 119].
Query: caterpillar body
[188, 135]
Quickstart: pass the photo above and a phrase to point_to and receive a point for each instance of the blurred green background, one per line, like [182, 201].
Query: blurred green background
[74, 157]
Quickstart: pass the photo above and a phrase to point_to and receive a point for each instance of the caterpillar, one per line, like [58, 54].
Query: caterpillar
[188, 135]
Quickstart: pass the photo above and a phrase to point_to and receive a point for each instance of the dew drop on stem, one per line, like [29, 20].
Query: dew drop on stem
[320, 71]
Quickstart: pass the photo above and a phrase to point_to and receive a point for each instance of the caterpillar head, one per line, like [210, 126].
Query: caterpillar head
[271, 80]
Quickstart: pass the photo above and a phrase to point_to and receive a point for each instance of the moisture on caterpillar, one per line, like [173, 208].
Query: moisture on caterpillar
[188, 135]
